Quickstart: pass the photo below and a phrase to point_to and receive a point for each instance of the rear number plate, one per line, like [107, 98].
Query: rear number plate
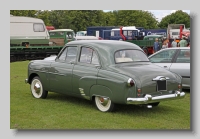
[162, 85]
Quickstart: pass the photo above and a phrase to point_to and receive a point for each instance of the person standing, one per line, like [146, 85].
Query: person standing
[183, 42]
[174, 43]
[156, 46]
[165, 45]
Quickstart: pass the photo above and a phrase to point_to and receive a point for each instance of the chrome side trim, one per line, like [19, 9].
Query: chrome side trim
[149, 99]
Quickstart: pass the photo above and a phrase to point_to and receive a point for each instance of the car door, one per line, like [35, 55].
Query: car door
[85, 71]
[61, 70]
[181, 65]
[164, 58]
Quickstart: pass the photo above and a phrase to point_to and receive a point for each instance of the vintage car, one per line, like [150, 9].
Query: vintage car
[107, 72]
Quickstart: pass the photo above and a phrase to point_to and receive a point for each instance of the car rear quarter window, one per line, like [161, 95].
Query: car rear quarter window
[88, 55]
[71, 54]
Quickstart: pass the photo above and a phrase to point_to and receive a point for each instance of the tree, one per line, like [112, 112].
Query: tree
[179, 17]
[28, 13]
[136, 18]
[44, 15]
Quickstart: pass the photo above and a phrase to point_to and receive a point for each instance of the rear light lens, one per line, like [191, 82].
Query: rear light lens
[130, 82]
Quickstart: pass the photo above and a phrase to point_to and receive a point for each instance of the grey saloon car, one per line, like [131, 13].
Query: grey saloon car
[106, 72]
[175, 60]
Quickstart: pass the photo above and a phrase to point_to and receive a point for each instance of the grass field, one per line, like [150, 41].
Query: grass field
[64, 112]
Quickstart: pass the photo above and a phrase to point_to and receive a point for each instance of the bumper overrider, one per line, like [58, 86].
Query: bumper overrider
[150, 99]
[26, 80]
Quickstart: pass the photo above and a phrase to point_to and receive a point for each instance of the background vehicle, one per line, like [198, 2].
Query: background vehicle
[148, 42]
[50, 28]
[60, 37]
[176, 60]
[27, 31]
[86, 38]
[104, 72]
[81, 33]
[177, 31]
[131, 34]
[53, 57]
[30, 39]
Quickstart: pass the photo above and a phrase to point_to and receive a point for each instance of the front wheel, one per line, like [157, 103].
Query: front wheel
[37, 88]
[104, 104]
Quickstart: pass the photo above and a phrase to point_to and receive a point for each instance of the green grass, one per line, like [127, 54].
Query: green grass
[64, 112]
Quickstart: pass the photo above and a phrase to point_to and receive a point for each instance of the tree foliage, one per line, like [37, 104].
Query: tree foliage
[81, 19]
[179, 17]
[137, 18]
[29, 13]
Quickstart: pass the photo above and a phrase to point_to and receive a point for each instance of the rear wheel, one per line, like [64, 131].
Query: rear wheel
[37, 88]
[104, 104]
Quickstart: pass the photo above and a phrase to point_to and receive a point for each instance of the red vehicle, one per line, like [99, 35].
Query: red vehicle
[177, 31]
[50, 28]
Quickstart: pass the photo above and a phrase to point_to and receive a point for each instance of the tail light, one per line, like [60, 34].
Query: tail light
[130, 82]
[179, 87]
[139, 92]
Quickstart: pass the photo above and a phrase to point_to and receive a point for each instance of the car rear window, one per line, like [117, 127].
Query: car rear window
[123, 56]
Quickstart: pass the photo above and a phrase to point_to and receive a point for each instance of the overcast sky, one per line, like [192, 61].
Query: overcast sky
[159, 14]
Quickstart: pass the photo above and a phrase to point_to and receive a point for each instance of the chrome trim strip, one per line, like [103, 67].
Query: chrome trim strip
[161, 78]
[149, 99]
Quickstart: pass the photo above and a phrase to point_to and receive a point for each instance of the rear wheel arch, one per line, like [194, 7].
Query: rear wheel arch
[100, 90]
[102, 98]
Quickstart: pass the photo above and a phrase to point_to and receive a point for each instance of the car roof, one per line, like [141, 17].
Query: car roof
[179, 48]
[112, 45]
[106, 48]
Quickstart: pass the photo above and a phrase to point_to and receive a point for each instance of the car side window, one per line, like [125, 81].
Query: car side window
[63, 55]
[183, 56]
[89, 56]
[68, 55]
[71, 54]
[165, 56]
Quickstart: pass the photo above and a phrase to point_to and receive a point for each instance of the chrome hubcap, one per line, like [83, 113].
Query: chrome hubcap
[103, 101]
[37, 88]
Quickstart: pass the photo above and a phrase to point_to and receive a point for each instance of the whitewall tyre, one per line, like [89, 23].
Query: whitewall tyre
[104, 104]
[37, 89]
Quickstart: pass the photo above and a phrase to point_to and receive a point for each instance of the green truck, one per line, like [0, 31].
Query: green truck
[147, 43]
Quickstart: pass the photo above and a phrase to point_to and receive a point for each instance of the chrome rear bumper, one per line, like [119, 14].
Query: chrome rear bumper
[149, 99]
